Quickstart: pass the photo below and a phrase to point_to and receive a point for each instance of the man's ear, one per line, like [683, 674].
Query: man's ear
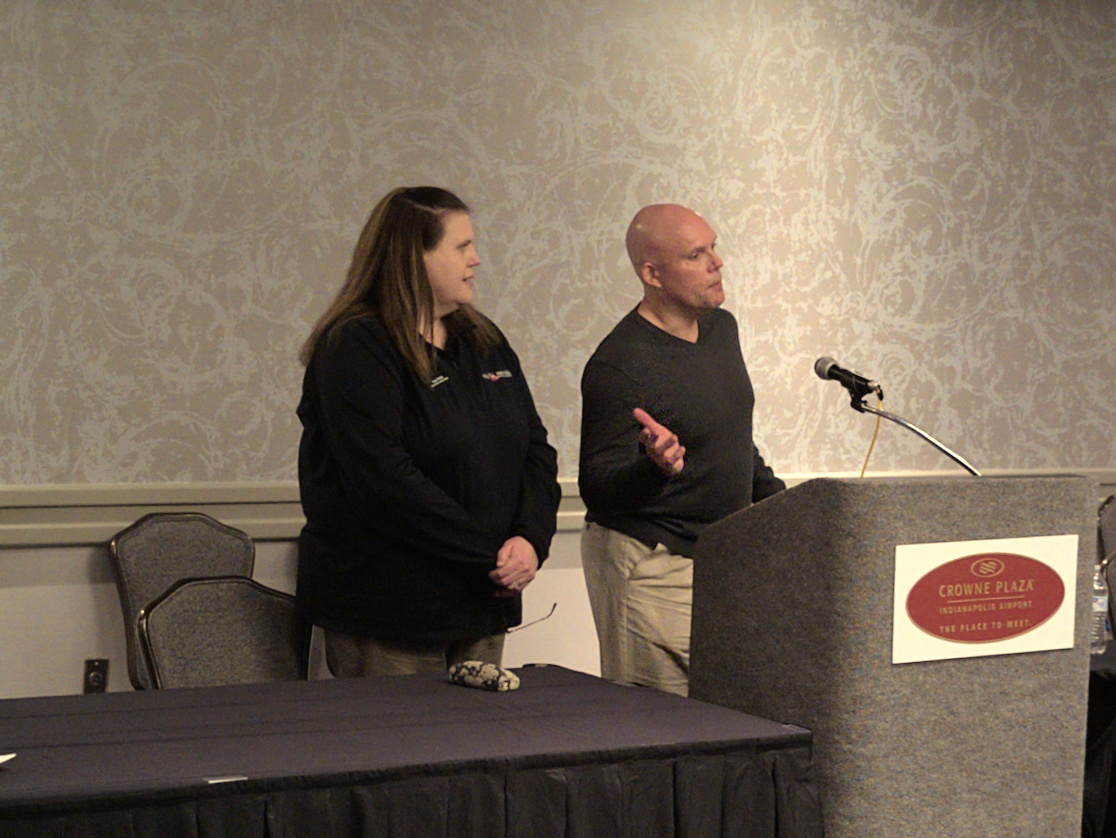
[649, 275]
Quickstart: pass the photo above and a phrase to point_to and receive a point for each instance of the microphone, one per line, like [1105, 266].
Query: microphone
[857, 385]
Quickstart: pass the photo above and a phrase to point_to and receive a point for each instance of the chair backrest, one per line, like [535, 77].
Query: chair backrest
[1106, 548]
[1106, 528]
[223, 630]
[160, 549]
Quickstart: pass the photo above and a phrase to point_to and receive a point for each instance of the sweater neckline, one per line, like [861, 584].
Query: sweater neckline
[705, 327]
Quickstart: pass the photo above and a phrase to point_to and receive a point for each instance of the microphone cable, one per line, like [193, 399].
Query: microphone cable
[875, 434]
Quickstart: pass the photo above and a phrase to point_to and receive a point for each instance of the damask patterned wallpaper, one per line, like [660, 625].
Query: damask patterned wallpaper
[924, 190]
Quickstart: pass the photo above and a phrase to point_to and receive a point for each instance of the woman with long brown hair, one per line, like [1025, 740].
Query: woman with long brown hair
[429, 487]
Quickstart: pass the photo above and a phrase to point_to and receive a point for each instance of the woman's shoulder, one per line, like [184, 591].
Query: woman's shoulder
[360, 327]
[361, 336]
[479, 330]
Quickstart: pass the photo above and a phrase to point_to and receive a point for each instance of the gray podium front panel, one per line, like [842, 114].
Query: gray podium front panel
[792, 621]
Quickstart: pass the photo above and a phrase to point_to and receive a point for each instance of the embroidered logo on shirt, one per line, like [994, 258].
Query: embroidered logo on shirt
[496, 376]
[438, 379]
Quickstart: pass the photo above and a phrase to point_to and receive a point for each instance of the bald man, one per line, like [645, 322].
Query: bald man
[666, 448]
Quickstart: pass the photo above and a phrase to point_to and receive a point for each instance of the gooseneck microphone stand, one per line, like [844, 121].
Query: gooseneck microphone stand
[858, 393]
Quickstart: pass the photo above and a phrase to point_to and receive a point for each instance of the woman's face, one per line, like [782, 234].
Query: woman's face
[450, 265]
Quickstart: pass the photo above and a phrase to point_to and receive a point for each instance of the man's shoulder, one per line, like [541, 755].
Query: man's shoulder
[719, 331]
[720, 318]
[723, 314]
[619, 338]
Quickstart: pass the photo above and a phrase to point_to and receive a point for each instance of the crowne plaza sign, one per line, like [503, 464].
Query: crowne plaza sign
[985, 597]
[991, 597]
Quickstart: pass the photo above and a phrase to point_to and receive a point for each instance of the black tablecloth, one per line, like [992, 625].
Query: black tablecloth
[565, 755]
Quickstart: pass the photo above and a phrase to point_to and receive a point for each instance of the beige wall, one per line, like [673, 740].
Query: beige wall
[923, 190]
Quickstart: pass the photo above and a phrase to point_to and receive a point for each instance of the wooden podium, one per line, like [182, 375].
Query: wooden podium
[792, 621]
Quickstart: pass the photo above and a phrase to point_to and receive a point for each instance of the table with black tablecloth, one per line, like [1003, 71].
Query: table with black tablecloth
[567, 754]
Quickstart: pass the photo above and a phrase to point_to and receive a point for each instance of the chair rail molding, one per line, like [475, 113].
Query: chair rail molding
[89, 514]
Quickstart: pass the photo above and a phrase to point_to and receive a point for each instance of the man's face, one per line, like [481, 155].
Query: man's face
[686, 266]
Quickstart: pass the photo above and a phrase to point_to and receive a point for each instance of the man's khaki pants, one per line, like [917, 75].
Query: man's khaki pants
[641, 599]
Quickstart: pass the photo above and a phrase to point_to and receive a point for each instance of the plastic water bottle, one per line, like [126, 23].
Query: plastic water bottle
[1099, 631]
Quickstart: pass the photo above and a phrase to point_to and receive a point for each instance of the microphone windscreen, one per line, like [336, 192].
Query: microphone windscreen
[822, 367]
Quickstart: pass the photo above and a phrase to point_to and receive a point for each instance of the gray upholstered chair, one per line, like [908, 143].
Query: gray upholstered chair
[160, 549]
[223, 630]
[1106, 527]
[1100, 728]
[1106, 548]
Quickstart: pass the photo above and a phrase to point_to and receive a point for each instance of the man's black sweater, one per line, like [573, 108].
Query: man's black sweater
[702, 393]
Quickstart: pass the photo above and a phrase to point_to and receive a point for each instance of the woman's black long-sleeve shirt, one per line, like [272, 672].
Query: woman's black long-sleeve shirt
[410, 490]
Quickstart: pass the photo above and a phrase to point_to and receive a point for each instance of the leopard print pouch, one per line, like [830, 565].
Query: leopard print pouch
[483, 676]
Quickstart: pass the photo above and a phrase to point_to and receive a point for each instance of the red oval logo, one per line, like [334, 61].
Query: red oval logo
[986, 597]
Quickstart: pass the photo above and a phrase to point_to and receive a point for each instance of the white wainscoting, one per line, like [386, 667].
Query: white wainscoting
[58, 600]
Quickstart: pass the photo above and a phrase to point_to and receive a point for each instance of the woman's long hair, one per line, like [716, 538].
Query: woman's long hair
[387, 278]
